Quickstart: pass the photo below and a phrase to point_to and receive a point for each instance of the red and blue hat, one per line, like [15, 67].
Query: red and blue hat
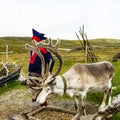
[38, 36]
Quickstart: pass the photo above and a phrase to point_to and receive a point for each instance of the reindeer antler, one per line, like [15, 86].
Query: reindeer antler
[54, 50]
[37, 51]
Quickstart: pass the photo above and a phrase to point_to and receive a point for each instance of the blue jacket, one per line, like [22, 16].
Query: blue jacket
[35, 61]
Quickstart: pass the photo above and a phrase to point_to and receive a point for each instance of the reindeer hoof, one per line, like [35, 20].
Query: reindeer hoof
[44, 104]
[100, 108]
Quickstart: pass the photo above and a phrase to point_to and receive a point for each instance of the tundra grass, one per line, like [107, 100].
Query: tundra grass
[108, 48]
[11, 85]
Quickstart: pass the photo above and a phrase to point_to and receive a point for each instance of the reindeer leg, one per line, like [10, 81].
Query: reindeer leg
[77, 104]
[83, 103]
[77, 108]
[110, 95]
[104, 100]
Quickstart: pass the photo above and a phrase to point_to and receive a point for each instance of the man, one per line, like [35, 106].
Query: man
[35, 66]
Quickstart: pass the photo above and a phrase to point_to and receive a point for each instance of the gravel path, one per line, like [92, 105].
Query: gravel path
[14, 102]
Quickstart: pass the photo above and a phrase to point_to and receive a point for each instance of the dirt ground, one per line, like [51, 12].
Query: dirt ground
[17, 101]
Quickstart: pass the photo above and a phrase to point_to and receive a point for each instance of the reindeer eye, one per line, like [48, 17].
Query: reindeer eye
[48, 89]
[36, 81]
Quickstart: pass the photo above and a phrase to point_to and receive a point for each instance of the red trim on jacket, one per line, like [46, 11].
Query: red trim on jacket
[36, 38]
[43, 50]
[33, 57]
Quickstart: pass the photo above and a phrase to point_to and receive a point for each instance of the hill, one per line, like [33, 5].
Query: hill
[16, 44]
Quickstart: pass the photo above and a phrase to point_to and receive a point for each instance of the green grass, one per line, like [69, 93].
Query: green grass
[116, 117]
[21, 56]
[10, 86]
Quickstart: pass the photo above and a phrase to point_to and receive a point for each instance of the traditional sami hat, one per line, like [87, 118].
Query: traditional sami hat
[38, 36]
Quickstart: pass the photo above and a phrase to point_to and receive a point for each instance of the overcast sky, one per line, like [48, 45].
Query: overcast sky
[60, 18]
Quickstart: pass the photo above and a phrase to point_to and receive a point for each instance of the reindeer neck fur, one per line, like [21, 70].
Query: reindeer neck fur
[58, 87]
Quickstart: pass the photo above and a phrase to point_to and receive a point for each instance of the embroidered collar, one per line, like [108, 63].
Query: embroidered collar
[65, 84]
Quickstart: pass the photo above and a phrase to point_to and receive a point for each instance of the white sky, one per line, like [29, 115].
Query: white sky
[60, 18]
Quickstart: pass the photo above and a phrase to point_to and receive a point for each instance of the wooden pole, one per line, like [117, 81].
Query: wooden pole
[6, 53]
[86, 53]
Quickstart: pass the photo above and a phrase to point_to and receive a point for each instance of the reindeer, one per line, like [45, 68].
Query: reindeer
[78, 80]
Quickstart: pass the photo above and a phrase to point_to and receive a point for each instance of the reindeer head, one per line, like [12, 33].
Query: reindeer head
[46, 79]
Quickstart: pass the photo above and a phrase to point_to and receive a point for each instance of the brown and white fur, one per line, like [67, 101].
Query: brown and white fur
[80, 79]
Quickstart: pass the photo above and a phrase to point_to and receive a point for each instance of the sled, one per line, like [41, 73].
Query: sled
[9, 72]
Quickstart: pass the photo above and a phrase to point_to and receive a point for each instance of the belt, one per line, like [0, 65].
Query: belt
[34, 74]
